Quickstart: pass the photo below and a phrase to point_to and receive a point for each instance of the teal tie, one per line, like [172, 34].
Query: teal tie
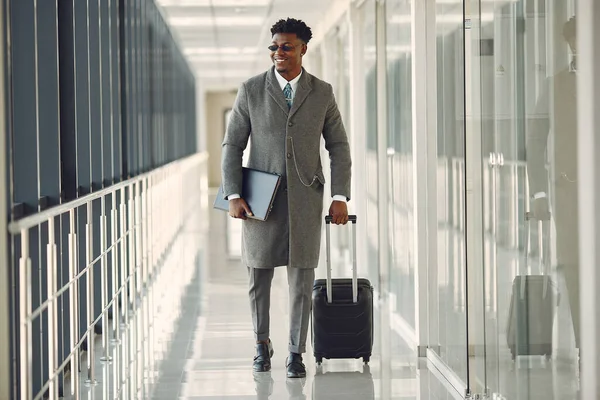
[287, 92]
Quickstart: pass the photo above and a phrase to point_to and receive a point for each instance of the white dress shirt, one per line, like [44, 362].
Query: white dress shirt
[294, 84]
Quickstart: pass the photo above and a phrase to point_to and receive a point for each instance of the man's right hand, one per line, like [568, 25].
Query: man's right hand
[238, 208]
[541, 209]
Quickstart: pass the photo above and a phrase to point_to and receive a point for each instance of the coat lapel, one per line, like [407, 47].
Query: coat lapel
[302, 92]
[275, 91]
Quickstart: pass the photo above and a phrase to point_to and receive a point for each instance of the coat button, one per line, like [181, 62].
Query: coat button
[291, 124]
[289, 155]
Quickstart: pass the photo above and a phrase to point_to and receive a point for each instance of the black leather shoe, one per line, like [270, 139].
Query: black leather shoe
[262, 360]
[295, 368]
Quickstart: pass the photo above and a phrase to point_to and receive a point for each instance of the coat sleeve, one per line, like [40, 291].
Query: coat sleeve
[234, 143]
[336, 143]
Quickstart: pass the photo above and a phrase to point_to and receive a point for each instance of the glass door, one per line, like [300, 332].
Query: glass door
[448, 311]
[526, 87]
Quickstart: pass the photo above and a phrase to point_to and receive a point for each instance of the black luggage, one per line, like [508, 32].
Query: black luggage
[342, 319]
[532, 306]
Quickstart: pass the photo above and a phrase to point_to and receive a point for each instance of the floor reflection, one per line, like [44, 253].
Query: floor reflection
[527, 378]
[203, 348]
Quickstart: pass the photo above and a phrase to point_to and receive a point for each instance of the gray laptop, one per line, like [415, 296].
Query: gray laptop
[258, 189]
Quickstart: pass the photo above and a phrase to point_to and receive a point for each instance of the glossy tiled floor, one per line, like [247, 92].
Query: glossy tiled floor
[215, 363]
[201, 346]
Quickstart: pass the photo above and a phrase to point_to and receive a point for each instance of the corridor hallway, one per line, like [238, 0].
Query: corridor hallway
[473, 173]
[203, 345]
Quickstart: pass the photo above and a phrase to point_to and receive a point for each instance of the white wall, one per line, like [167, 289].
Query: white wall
[216, 104]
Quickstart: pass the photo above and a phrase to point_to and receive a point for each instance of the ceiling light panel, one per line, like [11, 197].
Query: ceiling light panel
[237, 38]
[240, 37]
[175, 12]
[219, 11]
[206, 21]
[222, 73]
[212, 58]
[242, 12]
[214, 3]
[191, 51]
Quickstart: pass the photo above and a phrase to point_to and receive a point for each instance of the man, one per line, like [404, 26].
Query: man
[286, 111]
[560, 117]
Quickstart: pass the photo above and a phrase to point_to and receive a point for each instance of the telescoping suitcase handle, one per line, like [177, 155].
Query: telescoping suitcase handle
[543, 246]
[544, 251]
[328, 220]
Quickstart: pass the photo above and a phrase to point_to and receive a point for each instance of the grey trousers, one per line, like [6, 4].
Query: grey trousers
[300, 282]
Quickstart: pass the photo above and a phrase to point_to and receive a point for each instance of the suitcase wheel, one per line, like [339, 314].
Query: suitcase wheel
[319, 360]
[366, 359]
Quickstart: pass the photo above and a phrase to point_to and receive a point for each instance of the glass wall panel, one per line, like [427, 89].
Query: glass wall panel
[65, 140]
[370, 68]
[529, 126]
[400, 159]
[340, 47]
[451, 313]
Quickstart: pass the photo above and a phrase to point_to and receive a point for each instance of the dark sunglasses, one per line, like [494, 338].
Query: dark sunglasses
[284, 47]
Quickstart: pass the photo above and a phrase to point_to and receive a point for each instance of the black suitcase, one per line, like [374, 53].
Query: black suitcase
[532, 306]
[342, 312]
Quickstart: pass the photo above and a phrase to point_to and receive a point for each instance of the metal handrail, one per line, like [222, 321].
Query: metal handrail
[15, 227]
[144, 229]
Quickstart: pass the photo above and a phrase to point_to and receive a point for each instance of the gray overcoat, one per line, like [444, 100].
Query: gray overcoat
[286, 142]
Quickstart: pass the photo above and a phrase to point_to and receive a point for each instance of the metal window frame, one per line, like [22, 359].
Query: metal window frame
[424, 134]
[5, 342]
[588, 99]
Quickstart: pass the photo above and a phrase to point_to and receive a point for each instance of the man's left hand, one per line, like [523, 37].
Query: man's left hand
[339, 212]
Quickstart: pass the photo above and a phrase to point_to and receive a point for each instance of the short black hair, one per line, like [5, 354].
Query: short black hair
[292, 25]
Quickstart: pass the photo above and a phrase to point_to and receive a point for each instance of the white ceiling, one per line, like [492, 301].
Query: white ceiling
[226, 40]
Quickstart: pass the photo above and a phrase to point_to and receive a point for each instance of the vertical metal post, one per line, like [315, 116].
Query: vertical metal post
[106, 388]
[146, 280]
[25, 316]
[52, 309]
[116, 325]
[89, 251]
[123, 264]
[139, 354]
[73, 304]
[144, 238]
[139, 268]
[132, 288]
[115, 272]
[138, 237]
[104, 280]
[131, 245]
[151, 270]
[123, 288]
